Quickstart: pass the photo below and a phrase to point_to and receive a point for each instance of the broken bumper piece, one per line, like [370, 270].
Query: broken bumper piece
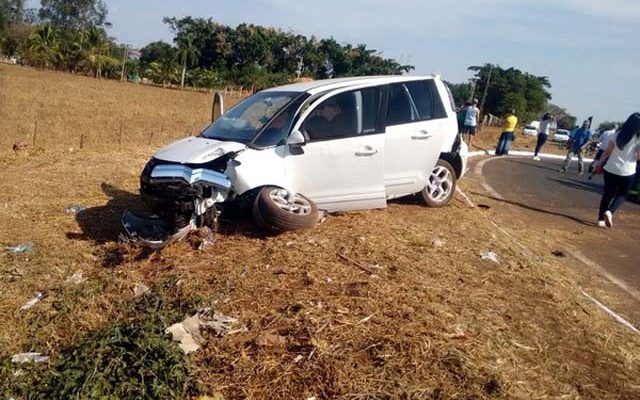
[152, 232]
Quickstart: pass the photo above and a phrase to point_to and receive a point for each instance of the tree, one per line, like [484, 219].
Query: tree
[11, 12]
[187, 53]
[44, 45]
[512, 89]
[74, 14]
[156, 52]
[563, 118]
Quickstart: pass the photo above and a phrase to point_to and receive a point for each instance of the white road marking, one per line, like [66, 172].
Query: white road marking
[611, 313]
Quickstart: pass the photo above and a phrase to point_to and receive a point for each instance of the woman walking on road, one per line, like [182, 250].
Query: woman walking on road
[619, 162]
[543, 134]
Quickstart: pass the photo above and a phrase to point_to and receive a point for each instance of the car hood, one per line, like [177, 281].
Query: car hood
[197, 150]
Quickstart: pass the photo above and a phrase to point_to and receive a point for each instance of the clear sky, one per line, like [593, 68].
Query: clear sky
[589, 49]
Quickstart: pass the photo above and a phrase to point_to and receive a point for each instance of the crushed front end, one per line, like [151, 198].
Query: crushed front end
[181, 197]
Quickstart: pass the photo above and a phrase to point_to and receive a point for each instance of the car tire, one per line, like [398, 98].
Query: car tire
[275, 210]
[441, 185]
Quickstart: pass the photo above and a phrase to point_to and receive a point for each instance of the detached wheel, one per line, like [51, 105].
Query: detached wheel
[277, 210]
[440, 186]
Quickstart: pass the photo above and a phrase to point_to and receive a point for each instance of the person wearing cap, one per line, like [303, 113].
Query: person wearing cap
[578, 142]
[471, 121]
[504, 144]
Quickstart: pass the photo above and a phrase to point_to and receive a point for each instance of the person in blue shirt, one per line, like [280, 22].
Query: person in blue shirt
[579, 140]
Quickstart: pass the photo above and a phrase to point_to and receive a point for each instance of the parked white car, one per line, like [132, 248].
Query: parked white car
[530, 130]
[561, 136]
[290, 151]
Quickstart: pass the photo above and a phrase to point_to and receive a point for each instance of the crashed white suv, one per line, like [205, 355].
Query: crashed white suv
[292, 151]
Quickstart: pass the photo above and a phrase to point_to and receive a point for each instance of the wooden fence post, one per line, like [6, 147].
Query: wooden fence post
[35, 131]
[120, 135]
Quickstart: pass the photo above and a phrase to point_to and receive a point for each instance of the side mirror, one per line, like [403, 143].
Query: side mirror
[296, 139]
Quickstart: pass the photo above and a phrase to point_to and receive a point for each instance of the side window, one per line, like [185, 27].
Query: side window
[426, 99]
[344, 115]
[400, 109]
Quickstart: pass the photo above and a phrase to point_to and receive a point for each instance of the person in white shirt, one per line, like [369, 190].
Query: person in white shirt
[543, 133]
[471, 121]
[619, 160]
[604, 142]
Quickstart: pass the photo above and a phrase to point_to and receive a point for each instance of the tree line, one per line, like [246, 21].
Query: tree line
[70, 35]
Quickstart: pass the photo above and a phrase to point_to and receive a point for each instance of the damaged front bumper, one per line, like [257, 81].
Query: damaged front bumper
[181, 198]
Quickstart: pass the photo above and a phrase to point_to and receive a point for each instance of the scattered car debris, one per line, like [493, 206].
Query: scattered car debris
[22, 248]
[77, 278]
[187, 333]
[74, 209]
[489, 256]
[22, 358]
[140, 290]
[38, 296]
[151, 232]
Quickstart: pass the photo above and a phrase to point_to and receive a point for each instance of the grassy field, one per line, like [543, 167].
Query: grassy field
[382, 304]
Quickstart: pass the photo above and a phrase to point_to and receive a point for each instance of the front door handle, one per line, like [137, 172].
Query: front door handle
[421, 135]
[366, 151]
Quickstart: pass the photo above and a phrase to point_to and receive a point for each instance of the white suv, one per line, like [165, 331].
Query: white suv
[291, 151]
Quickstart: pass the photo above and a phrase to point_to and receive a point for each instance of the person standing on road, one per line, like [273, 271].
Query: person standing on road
[543, 134]
[504, 144]
[471, 121]
[604, 143]
[620, 161]
[578, 142]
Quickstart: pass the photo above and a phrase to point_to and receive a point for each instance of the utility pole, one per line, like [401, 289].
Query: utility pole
[486, 89]
[472, 82]
[124, 61]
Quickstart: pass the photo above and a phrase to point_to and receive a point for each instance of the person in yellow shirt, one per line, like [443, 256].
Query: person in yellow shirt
[504, 143]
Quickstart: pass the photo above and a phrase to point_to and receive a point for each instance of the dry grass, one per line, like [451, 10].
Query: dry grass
[426, 321]
[74, 109]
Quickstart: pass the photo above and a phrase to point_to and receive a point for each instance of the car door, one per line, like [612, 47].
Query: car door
[341, 165]
[416, 128]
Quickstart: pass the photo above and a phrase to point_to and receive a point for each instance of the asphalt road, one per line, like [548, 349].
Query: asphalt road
[571, 202]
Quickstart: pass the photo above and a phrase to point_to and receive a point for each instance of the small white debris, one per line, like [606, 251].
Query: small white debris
[29, 357]
[489, 256]
[140, 290]
[298, 358]
[329, 280]
[187, 332]
[38, 296]
[438, 243]
[76, 278]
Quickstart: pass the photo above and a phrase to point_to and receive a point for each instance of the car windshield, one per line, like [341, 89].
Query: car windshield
[242, 122]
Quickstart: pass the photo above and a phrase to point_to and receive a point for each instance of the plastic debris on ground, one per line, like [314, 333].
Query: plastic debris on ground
[28, 358]
[438, 243]
[140, 290]
[187, 333]
[74, 209]
[23, 248]
[38, 296]
[489, 256]
[76, 278]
